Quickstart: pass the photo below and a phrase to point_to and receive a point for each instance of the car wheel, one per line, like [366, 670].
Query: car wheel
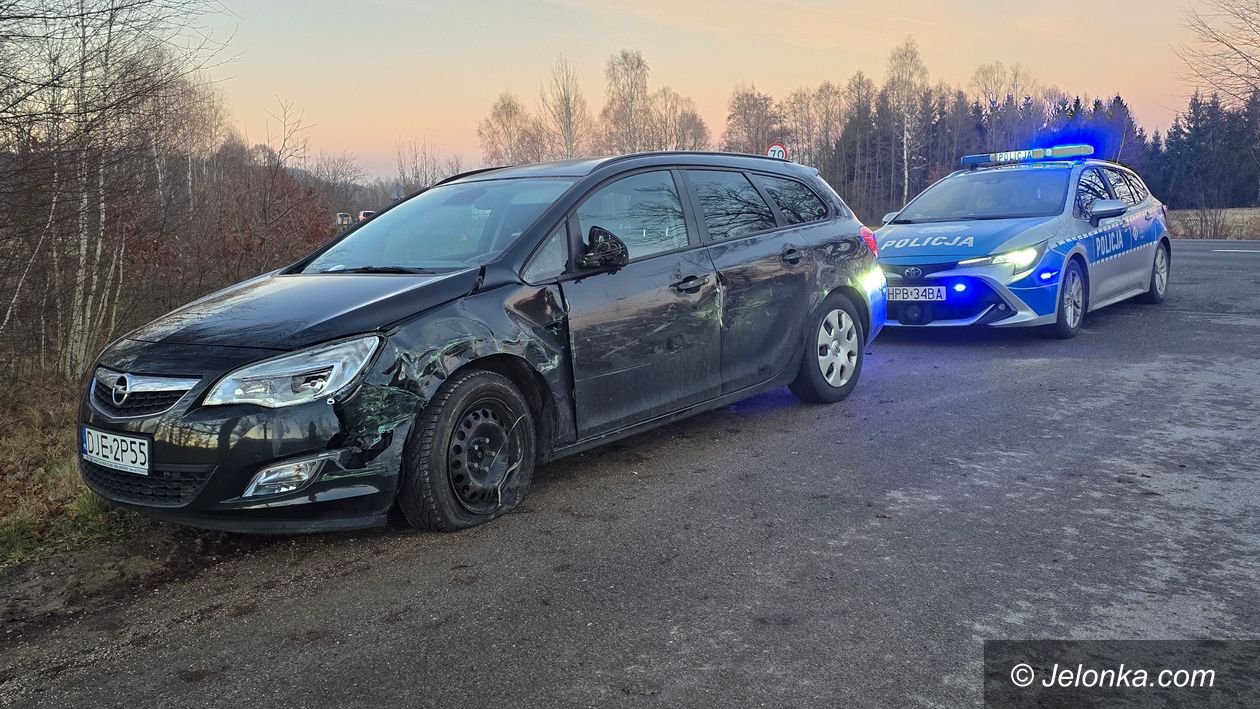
[1073, 303]
[470, 456]
[833, 353]
[1161, 270]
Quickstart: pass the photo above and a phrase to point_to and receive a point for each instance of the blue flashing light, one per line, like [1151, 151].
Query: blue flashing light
[1047, 275]
[960, 287]
[1031, 155]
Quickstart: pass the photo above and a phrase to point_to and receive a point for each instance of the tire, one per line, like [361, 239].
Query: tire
[1161, 272]
[470, 455]
[1073, 304]
[831, 358]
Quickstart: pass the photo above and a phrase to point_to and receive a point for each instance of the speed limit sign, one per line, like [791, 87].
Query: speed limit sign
[777, 150]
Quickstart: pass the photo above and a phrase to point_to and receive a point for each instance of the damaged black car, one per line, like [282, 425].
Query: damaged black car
[430, 358]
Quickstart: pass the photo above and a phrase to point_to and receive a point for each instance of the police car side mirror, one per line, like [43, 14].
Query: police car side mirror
[889, 217]
[603, 251]
[1106, 209]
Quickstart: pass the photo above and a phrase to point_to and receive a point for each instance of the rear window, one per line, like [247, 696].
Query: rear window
[991, 194]
[797, 202]
[731, 205]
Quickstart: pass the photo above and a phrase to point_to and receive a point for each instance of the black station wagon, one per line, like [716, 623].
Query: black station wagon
[431, 357]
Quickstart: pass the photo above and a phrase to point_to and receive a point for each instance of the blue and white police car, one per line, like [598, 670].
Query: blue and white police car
[1034, 237]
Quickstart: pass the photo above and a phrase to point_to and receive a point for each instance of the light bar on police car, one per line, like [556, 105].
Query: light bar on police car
[1030, 155]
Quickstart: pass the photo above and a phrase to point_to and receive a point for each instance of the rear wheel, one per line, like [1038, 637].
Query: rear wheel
[833, 352]
[1073, 302]
[470, 456]
[1161, 269]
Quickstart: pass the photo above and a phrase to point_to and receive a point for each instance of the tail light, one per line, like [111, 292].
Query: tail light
[869, 237]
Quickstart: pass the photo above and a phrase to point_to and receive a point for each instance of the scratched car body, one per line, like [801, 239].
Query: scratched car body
[1025, 238]
[430, 357]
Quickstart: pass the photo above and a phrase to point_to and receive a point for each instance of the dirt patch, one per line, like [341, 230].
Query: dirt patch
[43, 594]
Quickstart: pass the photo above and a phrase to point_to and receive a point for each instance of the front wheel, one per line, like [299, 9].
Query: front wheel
[834, 348]
[1073, 302]
[470, 456]
[1161, 269]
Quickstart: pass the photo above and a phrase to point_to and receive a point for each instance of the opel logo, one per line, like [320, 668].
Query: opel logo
[120, 390]
[914, 272]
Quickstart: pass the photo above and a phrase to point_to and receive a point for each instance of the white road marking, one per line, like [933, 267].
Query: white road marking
[1236, 251]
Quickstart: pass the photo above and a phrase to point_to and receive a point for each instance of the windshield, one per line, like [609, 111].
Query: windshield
[448, 227]
[990, 194]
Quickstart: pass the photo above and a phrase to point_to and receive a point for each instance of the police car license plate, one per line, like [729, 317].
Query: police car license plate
[126, 453]
[916, 293]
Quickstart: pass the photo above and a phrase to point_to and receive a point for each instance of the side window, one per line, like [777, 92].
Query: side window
[1091, 189]
[797, 202]
[1121, 187]
[1139, 190]
[731, 205]
[552, 259]
[643, 210]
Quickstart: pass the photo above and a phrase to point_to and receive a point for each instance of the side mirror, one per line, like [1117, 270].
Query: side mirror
[889, 217]
[603, 251]
[1106, 209]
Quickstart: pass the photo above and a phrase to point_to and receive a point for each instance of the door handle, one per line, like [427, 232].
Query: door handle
[1150, 217]
[791, 255]
[690, 284]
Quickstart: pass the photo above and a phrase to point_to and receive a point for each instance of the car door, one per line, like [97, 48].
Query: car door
[1131, 261]
[1147, 229]
[1107, 276]
[762, 270]
[644, 339]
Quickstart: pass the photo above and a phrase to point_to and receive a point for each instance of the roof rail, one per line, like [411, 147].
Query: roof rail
[469, 173]
[707, 153]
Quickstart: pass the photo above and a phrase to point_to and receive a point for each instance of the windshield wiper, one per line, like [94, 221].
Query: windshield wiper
[378, 269]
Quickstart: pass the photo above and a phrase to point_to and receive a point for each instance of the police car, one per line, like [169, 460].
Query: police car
[1034, 237]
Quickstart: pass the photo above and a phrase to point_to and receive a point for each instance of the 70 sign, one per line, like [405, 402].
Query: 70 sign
[777, 151]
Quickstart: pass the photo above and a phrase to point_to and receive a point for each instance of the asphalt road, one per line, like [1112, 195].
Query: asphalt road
[977, 485]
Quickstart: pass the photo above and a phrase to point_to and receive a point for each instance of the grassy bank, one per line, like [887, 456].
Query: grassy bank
[1215, 223]
[44, 505]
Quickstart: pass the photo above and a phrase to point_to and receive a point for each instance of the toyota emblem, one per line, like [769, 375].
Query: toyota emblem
[914, 272]
[120, 390]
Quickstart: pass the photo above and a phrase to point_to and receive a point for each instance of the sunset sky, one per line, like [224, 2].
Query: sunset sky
[371, 72]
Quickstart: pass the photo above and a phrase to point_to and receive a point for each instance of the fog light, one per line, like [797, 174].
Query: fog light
[960, 287]
[285, 477]
[1047, 275]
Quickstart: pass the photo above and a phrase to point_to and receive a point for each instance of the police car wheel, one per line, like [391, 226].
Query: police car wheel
[1161, 270]
[834, 347]
[469, 456]
[1073, 303]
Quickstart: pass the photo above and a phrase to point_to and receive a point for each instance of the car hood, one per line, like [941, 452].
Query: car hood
[949, 241]
[284, 312]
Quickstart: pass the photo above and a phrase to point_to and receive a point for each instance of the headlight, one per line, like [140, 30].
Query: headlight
[1019, 258]
[296, 378]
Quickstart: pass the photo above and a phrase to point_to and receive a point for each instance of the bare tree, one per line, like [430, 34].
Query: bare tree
[626, 109]
[1227, 53]
[565, 116]
[753, 122]
[673, 123]
[904, 83]
[419, 166]
[505, 131]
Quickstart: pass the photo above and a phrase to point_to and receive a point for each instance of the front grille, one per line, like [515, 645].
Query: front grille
[899, 272]
[139, 403]
[160, 488]
[978, 298]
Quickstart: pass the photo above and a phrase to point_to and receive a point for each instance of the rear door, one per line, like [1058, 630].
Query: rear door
[1133, 260]
[644, 339]
[763, 270]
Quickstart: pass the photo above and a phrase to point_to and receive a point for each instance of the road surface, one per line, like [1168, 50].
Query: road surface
[977, 485]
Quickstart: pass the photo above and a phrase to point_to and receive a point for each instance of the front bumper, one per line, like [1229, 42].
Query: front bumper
[203, 458]
[981, 295]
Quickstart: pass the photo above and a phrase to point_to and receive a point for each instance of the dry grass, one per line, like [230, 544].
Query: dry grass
[1215, 223]
[44, 505]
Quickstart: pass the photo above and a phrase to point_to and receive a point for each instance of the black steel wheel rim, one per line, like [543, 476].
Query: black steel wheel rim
[484, 453]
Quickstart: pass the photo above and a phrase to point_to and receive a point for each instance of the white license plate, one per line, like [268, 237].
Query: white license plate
[126, 453]
[916, 293]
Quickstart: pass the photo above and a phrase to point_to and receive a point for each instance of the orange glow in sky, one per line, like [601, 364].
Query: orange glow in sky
[367, 74]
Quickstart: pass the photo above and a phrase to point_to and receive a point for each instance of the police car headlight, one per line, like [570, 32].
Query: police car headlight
[1021, 259]
[296, 378]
